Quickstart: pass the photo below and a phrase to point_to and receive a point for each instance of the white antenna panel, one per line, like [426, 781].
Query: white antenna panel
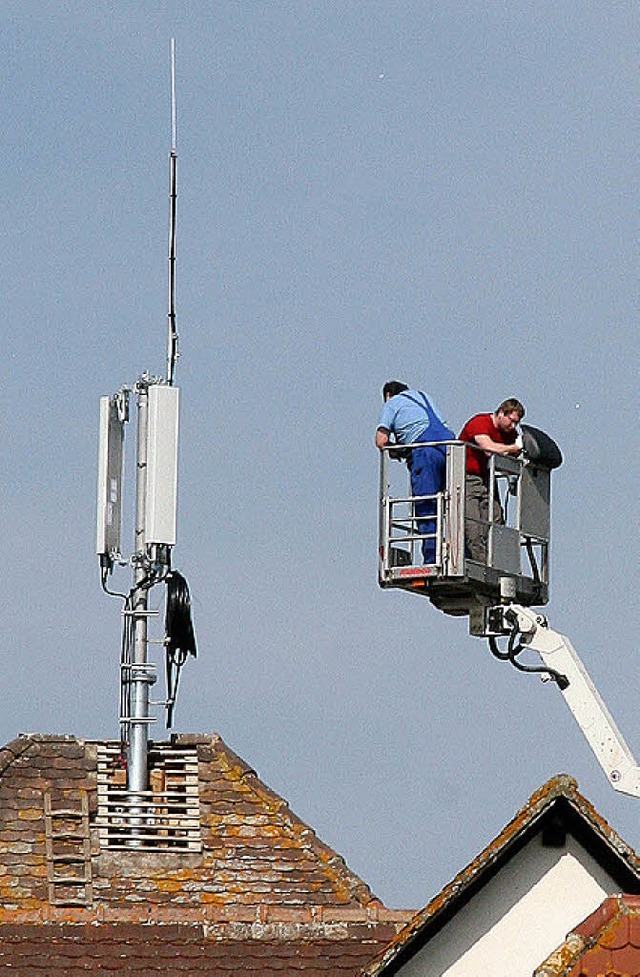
[162, 465]
[110, 463]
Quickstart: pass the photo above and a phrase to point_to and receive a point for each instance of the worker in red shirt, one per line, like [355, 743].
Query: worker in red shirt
[493, 434]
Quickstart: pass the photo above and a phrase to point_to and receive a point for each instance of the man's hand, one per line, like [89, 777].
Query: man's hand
[382, 437]
[495, 447]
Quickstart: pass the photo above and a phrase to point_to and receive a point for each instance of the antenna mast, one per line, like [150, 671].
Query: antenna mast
[155, 531]
[172, 341]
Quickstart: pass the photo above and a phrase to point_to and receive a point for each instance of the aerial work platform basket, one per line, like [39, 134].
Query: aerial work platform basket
[516, 564]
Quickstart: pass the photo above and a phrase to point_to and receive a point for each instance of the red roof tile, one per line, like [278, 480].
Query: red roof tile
[173, 951]
[606, 944]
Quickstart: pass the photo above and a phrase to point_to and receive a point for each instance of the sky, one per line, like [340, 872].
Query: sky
[435, 192]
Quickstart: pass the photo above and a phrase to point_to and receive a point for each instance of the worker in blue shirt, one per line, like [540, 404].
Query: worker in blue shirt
[410, 416]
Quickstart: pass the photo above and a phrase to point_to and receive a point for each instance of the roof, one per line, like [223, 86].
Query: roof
[556, 809]
[607, 942]
[173, 950]
[256, 878]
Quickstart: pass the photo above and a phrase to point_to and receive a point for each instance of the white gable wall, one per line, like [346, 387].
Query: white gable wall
[519, 917]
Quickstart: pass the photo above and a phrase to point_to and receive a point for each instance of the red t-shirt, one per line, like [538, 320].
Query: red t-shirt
[477, 461]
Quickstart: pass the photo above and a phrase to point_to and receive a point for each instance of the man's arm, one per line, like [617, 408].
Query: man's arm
[495, 447]
[382, 437]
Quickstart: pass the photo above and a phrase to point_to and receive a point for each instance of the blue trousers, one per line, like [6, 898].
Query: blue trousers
[428, 476]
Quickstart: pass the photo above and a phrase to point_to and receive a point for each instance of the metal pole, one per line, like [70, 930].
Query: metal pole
[172, 339]
[139, 723]
[383, 524]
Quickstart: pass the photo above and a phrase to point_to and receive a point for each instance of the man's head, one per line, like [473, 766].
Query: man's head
[391, 388]
[508, 415]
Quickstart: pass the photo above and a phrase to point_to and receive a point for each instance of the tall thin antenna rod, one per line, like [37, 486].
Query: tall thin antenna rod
[172, 342]
[174, 114]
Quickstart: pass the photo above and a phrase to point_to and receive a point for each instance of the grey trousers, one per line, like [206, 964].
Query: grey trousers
[477, 517]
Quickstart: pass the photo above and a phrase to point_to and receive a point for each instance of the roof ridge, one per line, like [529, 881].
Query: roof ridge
[14, 749]
[558, 787]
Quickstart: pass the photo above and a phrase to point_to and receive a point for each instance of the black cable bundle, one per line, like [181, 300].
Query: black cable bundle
[515, 646]
[181, 639]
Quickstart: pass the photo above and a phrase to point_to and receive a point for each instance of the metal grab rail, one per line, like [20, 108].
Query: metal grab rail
[409, 522]
[404, 528]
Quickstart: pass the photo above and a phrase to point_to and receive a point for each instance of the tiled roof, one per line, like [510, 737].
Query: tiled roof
[173, 950]
[606, 943]
[259, 885]
[556, 807]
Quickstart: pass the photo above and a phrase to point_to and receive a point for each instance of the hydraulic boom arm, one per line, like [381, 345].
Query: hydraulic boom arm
[563, 665]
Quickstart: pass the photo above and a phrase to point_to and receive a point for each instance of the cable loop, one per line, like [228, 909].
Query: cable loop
[514, 649]
[181, 639]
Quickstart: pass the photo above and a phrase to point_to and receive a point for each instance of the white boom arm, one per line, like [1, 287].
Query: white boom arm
[582, 697]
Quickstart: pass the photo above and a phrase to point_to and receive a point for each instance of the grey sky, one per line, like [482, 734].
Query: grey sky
[436, 192]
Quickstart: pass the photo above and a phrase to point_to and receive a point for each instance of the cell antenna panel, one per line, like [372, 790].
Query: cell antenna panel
[110, 467]
[162, 465]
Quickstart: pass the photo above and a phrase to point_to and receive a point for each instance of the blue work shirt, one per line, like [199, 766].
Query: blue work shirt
[405, 418]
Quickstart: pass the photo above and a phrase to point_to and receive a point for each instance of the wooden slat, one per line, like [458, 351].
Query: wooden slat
[172, 814]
